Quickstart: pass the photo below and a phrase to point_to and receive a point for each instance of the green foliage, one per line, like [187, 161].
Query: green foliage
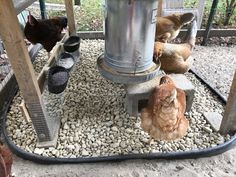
[55, 13]
[220, 12]
[89, 17]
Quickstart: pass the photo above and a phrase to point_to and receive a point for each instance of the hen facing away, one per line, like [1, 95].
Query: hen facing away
[163, 119]
[168, 27]
[176, 58]
[46, 32]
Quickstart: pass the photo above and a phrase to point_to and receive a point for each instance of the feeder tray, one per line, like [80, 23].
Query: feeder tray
[57, 79]
[127, 78]
[72, 44]
[66, 60]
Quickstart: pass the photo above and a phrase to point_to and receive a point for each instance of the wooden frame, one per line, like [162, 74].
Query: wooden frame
[70, 16]
[46, 129]
[23, 69]
[228, 124]
[20, 5]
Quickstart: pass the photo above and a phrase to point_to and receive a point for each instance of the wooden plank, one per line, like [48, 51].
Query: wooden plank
[20, 5]
[228, 124]
[17, 52]
[9, 84]
[25, 112]
[160, 7]
[55, 52]
[70, 16]
[213, 32]
[183, 32]
[50, 6]
[174, 4]
[91, 34]
[200, 7]
[42, 75]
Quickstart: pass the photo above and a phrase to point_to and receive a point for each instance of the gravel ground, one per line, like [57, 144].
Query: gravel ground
[5, 66]
[216, 68]
[95, 123]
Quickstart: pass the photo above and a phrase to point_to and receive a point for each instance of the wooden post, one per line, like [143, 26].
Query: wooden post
[70, 16]
[200, 7]
[228, 124]
[160, 8]
[17, 52]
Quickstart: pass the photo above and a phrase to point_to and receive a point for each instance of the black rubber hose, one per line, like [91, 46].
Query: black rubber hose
[169, 155]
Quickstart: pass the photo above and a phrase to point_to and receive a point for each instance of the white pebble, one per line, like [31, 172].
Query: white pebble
[85, 153]
[39, 151]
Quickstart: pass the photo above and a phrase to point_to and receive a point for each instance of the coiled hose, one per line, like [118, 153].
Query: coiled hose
[169, 155]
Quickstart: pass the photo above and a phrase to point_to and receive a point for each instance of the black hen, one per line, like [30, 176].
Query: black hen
[46, 32]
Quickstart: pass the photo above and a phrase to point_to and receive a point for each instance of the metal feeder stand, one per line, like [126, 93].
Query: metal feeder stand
[130, 27]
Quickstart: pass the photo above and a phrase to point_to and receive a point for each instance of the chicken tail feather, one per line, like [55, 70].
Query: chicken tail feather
[186, 18]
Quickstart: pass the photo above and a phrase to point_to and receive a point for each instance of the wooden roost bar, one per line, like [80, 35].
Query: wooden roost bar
[46, 128]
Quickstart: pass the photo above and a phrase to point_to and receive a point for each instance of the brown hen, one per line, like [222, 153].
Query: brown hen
[164, 118]
[176, 58]
[168, 27]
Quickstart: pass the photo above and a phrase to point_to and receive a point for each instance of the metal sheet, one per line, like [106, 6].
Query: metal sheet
[129, 34]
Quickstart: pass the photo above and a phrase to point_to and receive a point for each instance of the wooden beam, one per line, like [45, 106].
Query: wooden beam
[70, 16]
[54, 54]
[9, 84]
[25, 112]
[20, 5]
[183, 32]
[228, 124]
[201, 8]
[17, 52]
[160, 8]
[41, 78]
[42, 75]
[212, 33]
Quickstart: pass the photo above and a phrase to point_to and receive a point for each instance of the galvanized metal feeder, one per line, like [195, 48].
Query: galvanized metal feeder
[130, 27]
